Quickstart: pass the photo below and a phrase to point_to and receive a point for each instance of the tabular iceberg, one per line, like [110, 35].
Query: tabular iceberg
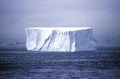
[67, 39]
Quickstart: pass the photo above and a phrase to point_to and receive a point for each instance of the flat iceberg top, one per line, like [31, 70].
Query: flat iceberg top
[61, 28]
[68, 39]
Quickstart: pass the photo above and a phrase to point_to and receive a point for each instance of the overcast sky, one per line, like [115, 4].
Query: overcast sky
[102, 15]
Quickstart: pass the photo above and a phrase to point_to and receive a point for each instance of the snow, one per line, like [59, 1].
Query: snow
[68, 39]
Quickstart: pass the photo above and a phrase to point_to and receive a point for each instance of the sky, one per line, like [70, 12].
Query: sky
[102, 15]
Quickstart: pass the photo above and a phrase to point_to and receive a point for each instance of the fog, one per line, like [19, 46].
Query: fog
[101, 15]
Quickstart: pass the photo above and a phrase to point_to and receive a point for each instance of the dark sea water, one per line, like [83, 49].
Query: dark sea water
[103, 63]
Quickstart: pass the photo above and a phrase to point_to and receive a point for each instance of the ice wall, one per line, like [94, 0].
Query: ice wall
[68, 39]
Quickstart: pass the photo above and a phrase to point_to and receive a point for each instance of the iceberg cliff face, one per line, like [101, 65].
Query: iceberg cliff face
[60, 39]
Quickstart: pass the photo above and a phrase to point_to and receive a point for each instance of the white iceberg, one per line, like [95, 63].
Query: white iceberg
[67, 39]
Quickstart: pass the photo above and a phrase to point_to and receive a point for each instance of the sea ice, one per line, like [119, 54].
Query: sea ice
[67, 39]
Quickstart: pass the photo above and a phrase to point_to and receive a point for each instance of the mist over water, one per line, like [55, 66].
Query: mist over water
[102, 16]
[18, 63]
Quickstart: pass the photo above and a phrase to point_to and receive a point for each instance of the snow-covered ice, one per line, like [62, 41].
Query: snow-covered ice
[67, 39]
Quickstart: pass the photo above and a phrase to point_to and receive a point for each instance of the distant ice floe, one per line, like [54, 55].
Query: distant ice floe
[69, 39]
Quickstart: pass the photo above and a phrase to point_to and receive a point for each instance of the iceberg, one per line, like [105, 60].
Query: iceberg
[66, 39]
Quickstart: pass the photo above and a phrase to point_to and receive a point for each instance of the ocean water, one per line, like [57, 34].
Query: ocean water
[103, 63]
